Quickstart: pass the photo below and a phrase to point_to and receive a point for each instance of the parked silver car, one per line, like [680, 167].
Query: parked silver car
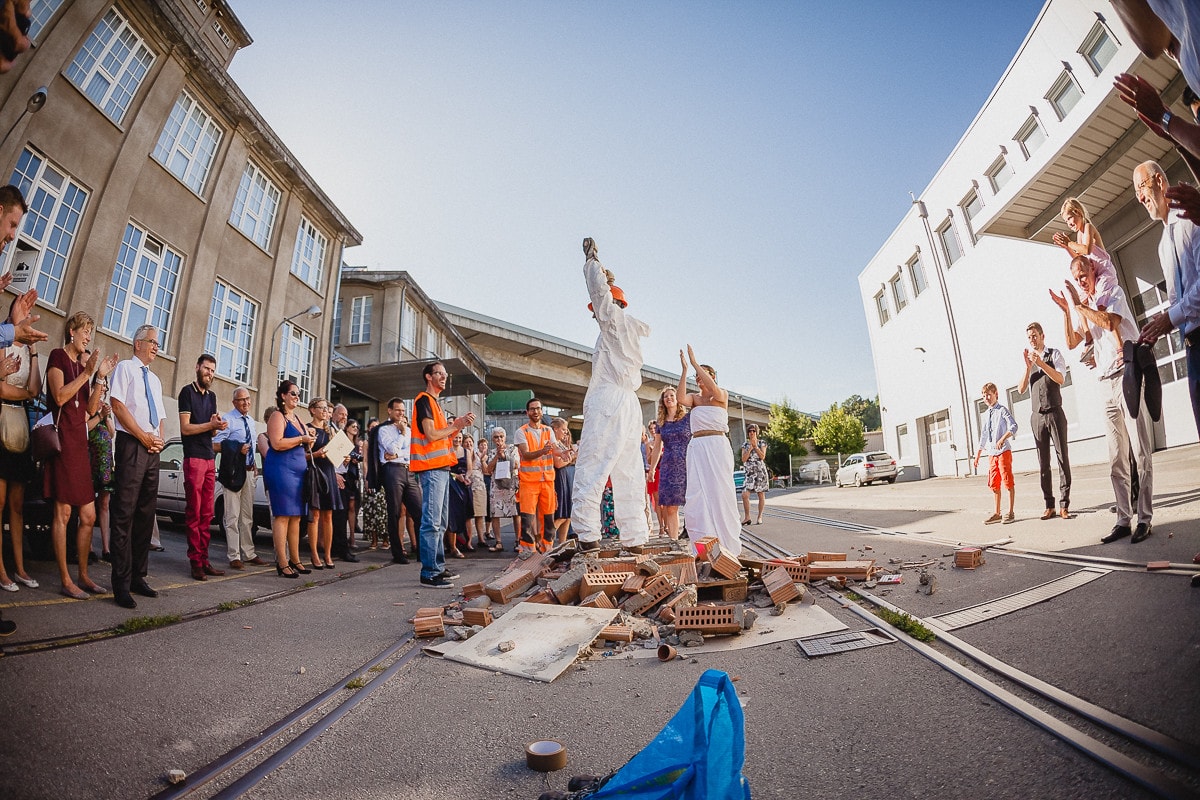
[866, 468]
[172, 501]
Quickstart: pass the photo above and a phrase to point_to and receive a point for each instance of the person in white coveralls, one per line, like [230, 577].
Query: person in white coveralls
[612, 417]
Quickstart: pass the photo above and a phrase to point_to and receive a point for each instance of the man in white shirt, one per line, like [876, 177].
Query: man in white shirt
[1045, 372]
[1105, 314]
[400, 485]
[240, 434]
[138, 410]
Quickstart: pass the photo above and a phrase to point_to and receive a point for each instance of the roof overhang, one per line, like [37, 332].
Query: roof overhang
[381, 382]
[1095, 164]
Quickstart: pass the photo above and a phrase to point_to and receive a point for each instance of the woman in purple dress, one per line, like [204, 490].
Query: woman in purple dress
[669, 456]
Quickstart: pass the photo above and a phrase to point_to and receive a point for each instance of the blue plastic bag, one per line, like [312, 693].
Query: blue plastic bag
[698, 755]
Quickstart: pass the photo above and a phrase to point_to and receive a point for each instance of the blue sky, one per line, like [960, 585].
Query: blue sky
[737, 163]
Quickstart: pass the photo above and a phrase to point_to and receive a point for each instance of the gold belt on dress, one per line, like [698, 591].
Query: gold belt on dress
[698, 434]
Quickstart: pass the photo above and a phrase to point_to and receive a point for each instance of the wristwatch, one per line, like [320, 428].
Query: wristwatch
[1166, 120]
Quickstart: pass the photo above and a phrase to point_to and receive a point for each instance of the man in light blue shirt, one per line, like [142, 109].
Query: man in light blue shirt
[239, 504]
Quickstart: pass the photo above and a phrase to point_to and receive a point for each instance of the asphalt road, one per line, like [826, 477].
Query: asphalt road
[108, 718]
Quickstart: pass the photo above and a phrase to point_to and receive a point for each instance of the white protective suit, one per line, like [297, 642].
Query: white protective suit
[612, 422]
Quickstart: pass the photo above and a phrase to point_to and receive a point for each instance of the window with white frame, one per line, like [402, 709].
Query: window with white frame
[296, 358]
[881, 305]
[1065, 94]
[971, 205]
[230, 334]
[188, 143]
[917, 271]
[1098, 47]
[308, 258]
[255, 206]
[951, 248]
[360, 319]
[40, 12]
[337, 323]
[111, 65]
[408, 328]
[1031, 135]
[899, 295]
[432, 346]
[38, 258]
[222, 35]
[999, 174]
[144, 283]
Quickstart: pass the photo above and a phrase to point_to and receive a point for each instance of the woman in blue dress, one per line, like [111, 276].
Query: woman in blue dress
[669, 456]
[283, 470]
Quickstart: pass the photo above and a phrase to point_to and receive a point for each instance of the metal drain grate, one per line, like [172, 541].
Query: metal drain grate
[1014, 602]
[844, 641]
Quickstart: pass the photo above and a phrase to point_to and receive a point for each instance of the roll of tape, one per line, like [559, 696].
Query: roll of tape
[545, 755]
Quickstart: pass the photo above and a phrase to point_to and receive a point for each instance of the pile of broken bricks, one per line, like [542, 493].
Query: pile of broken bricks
[664, 593]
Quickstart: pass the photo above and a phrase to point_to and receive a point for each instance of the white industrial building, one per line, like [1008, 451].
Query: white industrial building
[948, 295]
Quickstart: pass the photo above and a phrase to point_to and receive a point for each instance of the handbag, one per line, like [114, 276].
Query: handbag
[44, 437]
[316, 484]
[14, 428]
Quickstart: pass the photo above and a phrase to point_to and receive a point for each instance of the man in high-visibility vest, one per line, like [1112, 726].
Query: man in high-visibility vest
[536, 444]
[431, 456]
[612, 417]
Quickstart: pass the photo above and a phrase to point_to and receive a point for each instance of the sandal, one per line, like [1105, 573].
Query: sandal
[746, 521]
[496, 548]
[457, 554]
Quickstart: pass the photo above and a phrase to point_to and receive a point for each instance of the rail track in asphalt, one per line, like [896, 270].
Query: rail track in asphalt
[1159, 763]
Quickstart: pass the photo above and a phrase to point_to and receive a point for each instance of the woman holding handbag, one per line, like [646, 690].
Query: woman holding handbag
[16, 465]
[323, 494]
[68, 478]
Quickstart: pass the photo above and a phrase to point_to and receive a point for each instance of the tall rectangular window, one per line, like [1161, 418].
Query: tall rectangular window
[308, 258]
[40, 12]
[143, 288]
[255, 206]
[901, 435]
[296, 358]
[881, 305]
[999, 174]
[917, 270]
[1031, 135]
[1065, 94]
[230, 334]
[1098, 48]
[188, 143]
[360, 319]
[949, 239]
[38, 258]
[971, 206]
[111, 65]
[408, 328]
[432, 346]
[899, 296]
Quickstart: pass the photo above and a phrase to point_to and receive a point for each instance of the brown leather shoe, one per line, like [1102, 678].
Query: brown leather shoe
[258, 562]
[198, 574]
[1049, 513]
[209, 569]
[236, 564]
[1062, 512]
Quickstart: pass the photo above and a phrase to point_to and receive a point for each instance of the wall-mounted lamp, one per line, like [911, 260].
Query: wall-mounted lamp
[312, 311]
[34, 105]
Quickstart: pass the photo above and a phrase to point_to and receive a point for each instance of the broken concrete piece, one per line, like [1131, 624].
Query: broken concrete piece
[566, 586]
[506, 646]
[691, 639]
[175, 776]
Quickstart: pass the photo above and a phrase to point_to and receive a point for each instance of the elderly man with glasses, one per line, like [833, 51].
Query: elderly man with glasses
[238, 477]
[137, 405]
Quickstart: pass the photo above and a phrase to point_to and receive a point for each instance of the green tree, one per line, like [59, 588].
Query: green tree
[866, 410]
[786, 429]
[839, 432]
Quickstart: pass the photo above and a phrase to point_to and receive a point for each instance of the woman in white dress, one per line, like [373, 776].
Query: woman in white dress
[710, 507]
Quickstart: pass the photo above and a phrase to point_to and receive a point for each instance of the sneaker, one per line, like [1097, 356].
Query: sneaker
[1010, 517]
[993, 519]
[447, 575]
[437, 582]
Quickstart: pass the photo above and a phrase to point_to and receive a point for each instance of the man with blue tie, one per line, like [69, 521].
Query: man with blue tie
[236, 443]
[138, 409]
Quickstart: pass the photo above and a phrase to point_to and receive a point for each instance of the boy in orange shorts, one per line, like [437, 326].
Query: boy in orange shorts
[998, 429]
